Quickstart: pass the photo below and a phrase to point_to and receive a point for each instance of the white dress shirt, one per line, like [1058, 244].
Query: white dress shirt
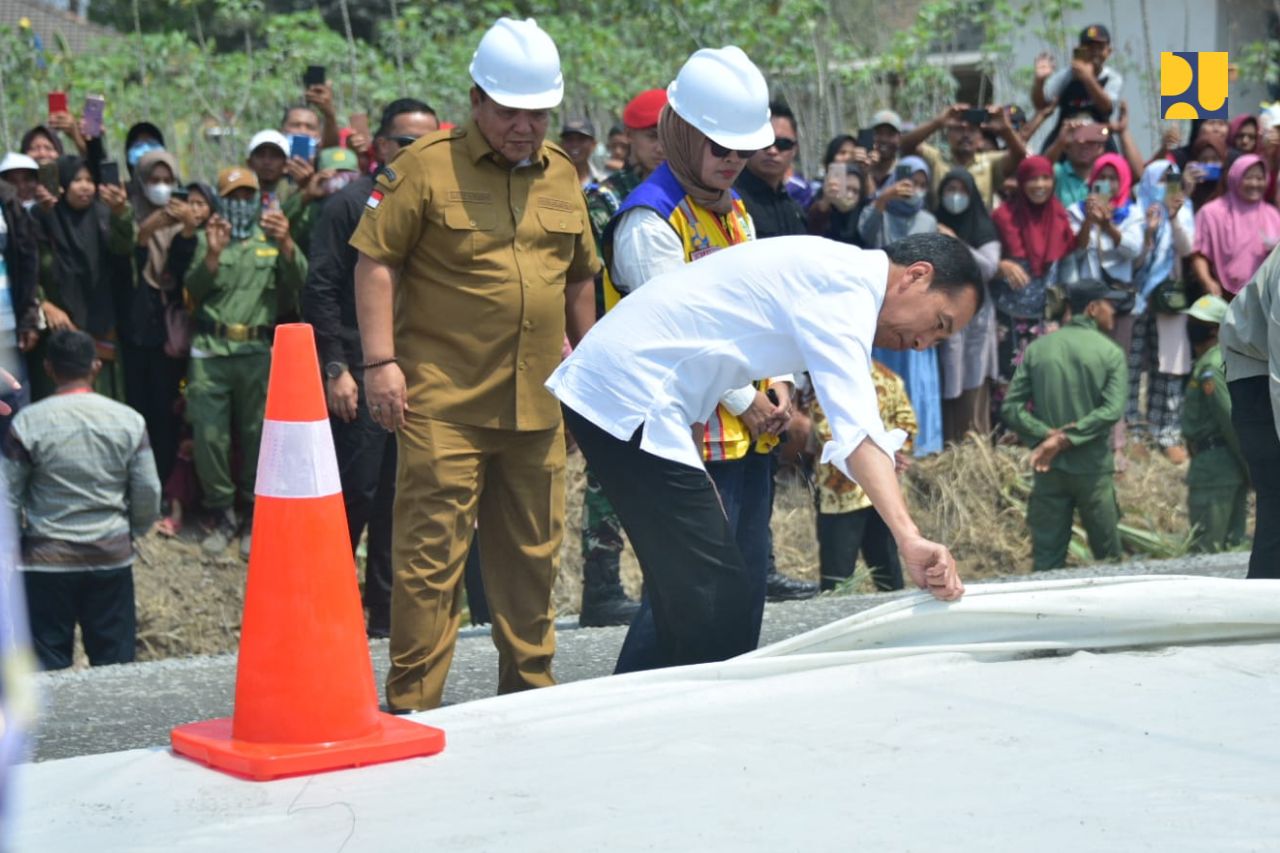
[644, 246]
[663, 357]
[1103, 253]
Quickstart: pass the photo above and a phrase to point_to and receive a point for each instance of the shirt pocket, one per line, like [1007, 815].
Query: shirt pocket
[469, 238]
[562, 231]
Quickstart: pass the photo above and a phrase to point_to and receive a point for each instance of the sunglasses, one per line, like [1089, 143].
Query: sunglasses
[722, 152]
[783, 143]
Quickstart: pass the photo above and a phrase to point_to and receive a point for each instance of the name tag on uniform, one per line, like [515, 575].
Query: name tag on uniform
[266, 252]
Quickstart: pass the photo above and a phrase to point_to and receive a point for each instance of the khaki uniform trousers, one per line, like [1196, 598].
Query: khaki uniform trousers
[448, 476]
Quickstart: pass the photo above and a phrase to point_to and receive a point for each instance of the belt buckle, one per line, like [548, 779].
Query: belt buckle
[238, 332]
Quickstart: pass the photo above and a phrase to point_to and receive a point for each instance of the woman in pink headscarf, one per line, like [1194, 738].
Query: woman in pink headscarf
[1235, 232]
[1109, 230]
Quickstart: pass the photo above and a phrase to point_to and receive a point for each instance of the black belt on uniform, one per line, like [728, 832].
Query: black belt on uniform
[1205, 445]
[237, 332]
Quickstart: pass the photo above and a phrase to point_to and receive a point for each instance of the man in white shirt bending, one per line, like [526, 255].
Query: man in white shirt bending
[644, 379]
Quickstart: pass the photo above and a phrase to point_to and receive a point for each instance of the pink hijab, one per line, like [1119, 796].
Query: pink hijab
[1124, 176]
[1235, 235]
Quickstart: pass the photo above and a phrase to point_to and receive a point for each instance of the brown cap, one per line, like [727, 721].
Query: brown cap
[234, 178]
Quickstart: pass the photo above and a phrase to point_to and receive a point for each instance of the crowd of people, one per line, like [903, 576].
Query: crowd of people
[448, 271]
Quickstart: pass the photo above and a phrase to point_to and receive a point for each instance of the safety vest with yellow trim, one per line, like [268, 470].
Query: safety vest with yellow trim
[701, 232]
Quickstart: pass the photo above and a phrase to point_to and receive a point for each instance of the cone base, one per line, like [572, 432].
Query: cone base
[210, 742]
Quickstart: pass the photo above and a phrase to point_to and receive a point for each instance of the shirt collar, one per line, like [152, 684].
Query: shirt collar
[478, 148]
[1085, 321]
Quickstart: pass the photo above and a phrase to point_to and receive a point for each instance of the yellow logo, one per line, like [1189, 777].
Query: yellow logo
[1193, 85]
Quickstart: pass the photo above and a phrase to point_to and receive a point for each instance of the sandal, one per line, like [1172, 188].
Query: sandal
[168, 527]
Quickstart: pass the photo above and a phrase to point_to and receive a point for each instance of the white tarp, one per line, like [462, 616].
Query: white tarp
[995, 723]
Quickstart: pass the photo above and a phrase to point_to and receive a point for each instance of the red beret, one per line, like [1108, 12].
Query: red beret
[644, 109]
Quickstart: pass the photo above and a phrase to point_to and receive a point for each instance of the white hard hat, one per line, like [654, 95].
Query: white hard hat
[14, 161]
[268, 137]
[724, 95]
[517, 65]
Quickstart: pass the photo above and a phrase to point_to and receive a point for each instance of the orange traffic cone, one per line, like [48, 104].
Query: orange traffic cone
[305, 695]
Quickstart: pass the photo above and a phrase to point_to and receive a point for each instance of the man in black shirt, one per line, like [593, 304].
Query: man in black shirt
[762, 184]
[366, 451]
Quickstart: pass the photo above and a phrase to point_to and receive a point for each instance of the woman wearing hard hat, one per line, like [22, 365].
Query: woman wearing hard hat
[717, 116]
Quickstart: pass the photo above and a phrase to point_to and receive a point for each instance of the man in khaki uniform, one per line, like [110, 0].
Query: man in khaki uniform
[476, 258]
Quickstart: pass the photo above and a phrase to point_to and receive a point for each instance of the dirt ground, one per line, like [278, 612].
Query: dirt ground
[189, 603]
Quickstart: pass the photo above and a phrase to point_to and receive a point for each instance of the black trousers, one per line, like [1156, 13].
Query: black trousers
[695, 576]
[1255, 424]
[367, 468]
[151, 382]
[842, 535]
[101, 601]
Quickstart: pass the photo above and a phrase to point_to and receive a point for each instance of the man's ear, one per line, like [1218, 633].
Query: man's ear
[920, 271]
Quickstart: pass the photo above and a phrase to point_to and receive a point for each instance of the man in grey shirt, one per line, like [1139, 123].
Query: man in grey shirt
[83, 482]
[1251, 348]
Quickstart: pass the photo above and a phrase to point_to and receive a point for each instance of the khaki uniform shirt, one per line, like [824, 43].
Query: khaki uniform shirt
[483, 251]
[986, 168]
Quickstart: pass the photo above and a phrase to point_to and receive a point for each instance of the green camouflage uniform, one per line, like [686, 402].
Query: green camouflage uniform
[1075, 379]
[602, 540]
[1217, 480]
[231, 355]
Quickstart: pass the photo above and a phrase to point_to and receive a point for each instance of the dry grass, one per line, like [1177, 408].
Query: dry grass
[190, 604]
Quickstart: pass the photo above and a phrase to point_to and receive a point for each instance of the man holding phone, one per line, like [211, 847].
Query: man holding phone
[1086, 86]
[964, 125]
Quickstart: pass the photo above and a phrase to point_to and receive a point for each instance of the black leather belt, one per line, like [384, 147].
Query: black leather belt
[237, 332]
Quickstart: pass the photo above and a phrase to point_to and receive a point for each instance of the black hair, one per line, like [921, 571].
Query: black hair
[400, 107]
[284, 117]
[142, 128]
[954, 269]
[616, 130]
[779, 109]
[71, 353]
[40, 130]
[834, 146]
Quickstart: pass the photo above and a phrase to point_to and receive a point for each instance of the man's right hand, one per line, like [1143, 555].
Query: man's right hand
[386, 393]
[342, 395]
[1044, 66]
[55, 318]
[931, 567]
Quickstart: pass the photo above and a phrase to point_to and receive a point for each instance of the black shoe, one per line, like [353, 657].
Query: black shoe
[602, 611]
[779, 587]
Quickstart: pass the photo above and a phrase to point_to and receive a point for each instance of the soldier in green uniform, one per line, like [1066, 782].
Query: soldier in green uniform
[1065, 397]
[244, 268]
[1218, 479]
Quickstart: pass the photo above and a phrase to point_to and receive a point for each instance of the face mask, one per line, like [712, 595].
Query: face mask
[242, 215]
[158, 194]
[338, 181]
[956, 203]
[138, 149]
[906, 206]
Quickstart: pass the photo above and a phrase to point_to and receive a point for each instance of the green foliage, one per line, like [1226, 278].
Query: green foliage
[212, 72]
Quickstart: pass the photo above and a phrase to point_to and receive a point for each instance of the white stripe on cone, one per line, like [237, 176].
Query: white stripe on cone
[297, 460]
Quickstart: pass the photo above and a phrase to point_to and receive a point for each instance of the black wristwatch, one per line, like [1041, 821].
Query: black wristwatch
[334, 369]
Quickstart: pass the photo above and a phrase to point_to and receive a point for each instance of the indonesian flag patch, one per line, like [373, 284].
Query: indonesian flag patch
[375, 199]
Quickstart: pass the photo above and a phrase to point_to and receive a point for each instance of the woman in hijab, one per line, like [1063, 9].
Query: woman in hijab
[1243, 134]
[86, 233]
[1108, 239]
[897, 211]
[1235, 233]
[152, 375]
[686, 209]
[843, 193]
[41, 144]
[1035, 236]
[968, 358]
[1202, 175]
[1160, 347]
